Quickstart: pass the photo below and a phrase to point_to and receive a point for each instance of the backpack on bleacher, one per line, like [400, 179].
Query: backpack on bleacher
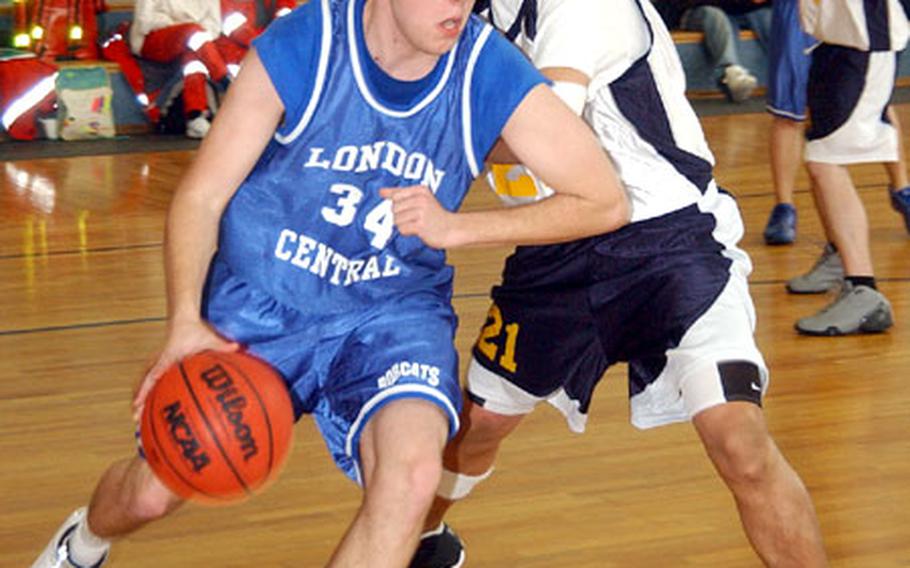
[84, 98]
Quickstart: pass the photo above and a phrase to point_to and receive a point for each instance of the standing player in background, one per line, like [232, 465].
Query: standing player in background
[667, 293]
[315, 216]
[788, 72]
[850, 86]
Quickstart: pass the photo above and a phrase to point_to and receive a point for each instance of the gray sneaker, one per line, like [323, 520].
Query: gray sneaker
[826, 274]
[858, 309]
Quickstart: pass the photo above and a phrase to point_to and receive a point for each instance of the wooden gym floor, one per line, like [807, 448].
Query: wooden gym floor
[81, 298]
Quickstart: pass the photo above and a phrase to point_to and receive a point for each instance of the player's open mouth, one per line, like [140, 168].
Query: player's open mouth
[451, 26]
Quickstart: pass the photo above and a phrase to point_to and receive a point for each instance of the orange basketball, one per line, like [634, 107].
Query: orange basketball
[217, 426]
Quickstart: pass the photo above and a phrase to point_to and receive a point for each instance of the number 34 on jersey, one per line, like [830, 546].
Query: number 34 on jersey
[320, 259]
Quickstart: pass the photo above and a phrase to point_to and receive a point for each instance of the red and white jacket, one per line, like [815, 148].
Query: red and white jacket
[151, 15]
[243, 20]
[26, 88]
[59, 28]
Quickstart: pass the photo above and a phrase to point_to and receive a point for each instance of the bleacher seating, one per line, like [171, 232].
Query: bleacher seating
[699, 72]
[699, 77]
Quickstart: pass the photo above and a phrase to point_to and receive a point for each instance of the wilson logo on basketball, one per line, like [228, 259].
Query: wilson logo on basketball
[217, 427]
[232, 406]
[183, 435]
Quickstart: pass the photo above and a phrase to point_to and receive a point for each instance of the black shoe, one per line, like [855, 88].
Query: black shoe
[440, 548]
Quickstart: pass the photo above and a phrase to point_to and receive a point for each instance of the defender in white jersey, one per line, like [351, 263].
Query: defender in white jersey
[312, 226]
[851, 80]
[667, 293]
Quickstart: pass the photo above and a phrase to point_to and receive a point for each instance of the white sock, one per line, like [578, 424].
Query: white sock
[85, 547]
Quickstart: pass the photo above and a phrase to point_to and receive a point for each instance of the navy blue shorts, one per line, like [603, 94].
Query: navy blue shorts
[564, 313]
[669, 295]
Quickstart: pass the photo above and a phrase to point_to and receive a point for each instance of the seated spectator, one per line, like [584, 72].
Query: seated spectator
[241, 22]
[720, 22]
[116, 48]
[168, 30]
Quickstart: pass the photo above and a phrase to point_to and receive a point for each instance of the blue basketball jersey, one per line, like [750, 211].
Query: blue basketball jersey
[308, 225]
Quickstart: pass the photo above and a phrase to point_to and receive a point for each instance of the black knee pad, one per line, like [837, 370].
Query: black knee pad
[741, 381]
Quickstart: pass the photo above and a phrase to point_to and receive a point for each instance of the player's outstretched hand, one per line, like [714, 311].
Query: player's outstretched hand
[183, 338]
[418, 213]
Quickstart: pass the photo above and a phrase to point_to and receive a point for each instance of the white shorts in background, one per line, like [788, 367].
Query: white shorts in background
[849, 93]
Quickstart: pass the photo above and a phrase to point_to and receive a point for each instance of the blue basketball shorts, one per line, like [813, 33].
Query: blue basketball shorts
[788, 62]
[668, 295]
[343, 369]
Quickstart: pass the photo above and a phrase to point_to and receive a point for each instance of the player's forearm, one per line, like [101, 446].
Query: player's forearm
[191, 234]
[559, 218]
[190, 242]
[241, 130]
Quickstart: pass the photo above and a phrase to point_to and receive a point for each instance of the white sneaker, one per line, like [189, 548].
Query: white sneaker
[56, 555]
[198, 127]
[739, 83]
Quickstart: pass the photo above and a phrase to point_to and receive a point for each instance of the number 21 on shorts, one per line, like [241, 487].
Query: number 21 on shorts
[491, 336]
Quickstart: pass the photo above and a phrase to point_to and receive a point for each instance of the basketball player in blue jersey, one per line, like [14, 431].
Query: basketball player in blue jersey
[666, 293]
[310, 229]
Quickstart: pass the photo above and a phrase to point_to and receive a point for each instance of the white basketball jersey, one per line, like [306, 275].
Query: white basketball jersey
[636, 101]
[863, 25]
